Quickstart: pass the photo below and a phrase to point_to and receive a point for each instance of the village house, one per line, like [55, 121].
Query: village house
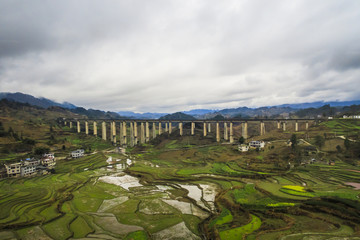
[13, 169]
[48, 160]
[243, 148]
[257, 144]
[29, 167]
[352, 116]
[77, 153]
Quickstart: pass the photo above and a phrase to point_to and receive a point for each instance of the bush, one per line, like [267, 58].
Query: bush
[41, 150]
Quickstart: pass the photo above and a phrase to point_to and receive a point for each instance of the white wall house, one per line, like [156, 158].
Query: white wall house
[243, 148]
[48, 160]
[257, 144]
[77, 153]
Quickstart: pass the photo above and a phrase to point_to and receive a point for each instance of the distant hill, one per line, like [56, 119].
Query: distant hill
[40, 102]
[246, 112]
[178, 116]
[96, 114]
[320, 104]
[141, 115]
[27, 112]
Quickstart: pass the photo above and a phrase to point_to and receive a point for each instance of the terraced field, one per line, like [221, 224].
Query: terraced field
[175, 189]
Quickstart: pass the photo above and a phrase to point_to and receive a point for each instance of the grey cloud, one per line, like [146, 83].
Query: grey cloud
[171, 55]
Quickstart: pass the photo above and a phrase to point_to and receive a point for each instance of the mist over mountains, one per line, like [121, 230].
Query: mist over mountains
[285, 110]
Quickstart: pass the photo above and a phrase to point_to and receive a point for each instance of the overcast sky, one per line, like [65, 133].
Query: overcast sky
[168, 56]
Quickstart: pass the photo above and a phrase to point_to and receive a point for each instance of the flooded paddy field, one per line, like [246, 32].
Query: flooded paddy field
[190, 194]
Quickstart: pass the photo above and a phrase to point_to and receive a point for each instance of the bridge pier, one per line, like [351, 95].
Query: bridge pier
[209, 127]
[154, 130]
[181, 128]
[307, 125]
[278, 125]
[231, 133]
[204, 125]
[147, 132]
[192, 128]
[135, 134]
[160, 130]
[217, 132]
[95, 128]
[70, 125]
[226, 136]
[78, 126]
[284, 126]
[124, 133]
[113, 132]
[262, 128]
[121, 134]
[170, 128]
[131, 134]
[86, 128]
[296, 126]
[166, 127]
[103, 128]
[244, 130]
[142, 133]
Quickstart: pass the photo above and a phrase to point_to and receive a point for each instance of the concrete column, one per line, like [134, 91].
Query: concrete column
[307, 125]
[124, 133]
[70, 125]
[204, 124]
[284, 126]
[142, 133]
[217, 132]
[95, 129]
[262, 128]
[113, 132]
[131, 134]
[160, 130]
[244, 129]
[192, 128]
[278, 125]
[226, 136]
[166, 127]
[147, 132]
[86, 128]
[296, 126]
[103, 128]
[181, 128]
[231, 133]
[170, 128]
[78, 126]
[135, 134]
[209, 127]
[154, 130]
[121, 134]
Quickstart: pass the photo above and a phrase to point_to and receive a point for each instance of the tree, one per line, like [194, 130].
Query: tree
[319, 141]
[347, 144]
[41, 150]
[241, 140]
[338, 148]
[293, 141]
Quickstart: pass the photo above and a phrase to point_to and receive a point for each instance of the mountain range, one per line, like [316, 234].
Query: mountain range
[284, 110]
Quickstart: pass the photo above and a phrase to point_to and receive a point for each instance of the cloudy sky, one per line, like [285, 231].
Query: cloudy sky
[166, 56]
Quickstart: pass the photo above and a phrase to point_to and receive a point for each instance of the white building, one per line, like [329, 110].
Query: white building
[48, 160]
[257, 144]
[243, 148]
[77, 153]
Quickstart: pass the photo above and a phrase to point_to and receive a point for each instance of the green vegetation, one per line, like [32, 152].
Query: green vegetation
[239, 232]
[212, 189]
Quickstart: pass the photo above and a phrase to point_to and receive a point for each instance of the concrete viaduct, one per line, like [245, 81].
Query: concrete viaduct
[139, 130]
